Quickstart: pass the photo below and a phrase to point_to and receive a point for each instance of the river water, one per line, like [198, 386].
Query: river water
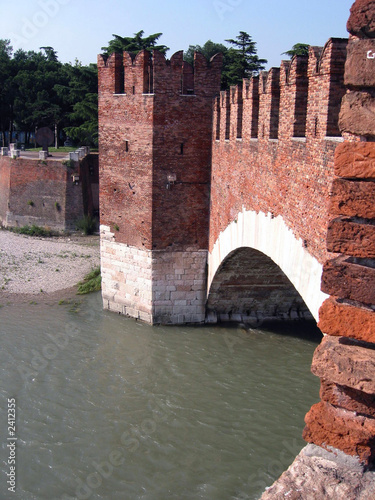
[108, 408]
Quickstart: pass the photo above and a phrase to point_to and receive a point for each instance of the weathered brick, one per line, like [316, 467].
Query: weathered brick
[347, 398]
[349, 278]
[362, 19]
[352, 198]
[357, 114]
[329, 426]
[355, 160]
[351, 237]
[345, 362]
[345, 320]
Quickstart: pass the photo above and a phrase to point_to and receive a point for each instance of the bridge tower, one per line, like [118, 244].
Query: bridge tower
[155, 133]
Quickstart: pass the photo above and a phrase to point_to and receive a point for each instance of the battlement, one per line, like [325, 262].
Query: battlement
[152, 73]
[298, 100]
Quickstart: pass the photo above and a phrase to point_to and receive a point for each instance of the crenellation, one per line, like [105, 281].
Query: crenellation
[110, 74]
[138, 73]
[269, 107]
[236, 112]
[250, 100]
[293, 97]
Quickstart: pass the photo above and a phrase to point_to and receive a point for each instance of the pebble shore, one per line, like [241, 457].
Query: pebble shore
[34, 267]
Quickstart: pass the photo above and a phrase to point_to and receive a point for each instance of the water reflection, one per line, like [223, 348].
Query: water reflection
[109, 408]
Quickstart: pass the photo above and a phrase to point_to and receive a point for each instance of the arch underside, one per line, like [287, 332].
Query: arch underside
[259, 269]
[249, 286]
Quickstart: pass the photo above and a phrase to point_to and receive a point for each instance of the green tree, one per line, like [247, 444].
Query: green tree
[134, 44]
[37, 90]
[85, 117]
[299, 49]
[78, 91]
[6, 109]
[243, 61]
[35, 101]
[209, 49]
[240, 61]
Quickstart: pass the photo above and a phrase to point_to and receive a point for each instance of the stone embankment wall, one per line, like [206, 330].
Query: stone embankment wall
[42, 192]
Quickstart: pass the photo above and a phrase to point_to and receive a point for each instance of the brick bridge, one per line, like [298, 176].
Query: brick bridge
[248, 204]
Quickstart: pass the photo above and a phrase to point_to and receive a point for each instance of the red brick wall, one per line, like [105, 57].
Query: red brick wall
[40, 193]
[4, 188]
[283, 171]
[148, 135]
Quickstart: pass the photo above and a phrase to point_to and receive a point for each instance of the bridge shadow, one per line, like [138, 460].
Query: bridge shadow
[301, 329]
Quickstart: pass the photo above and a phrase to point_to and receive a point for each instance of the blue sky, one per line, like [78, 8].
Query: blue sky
[79, 28]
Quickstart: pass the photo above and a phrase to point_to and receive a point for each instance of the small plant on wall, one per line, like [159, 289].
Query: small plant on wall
[87, 225]
[57, 206]
[31, 203]
[116, 227]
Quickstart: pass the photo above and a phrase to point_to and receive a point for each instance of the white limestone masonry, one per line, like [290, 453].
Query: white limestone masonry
[126, 277]
[153, 286]
[271, 236]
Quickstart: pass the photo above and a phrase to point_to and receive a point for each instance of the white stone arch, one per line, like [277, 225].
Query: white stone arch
[271, 236]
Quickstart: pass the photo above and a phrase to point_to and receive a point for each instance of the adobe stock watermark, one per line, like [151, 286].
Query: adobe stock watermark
[130, 441]
[258, 479]
[30, 26]
[224, 7]
[57, 341]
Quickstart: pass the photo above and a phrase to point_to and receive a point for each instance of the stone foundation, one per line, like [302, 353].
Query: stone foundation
[153, 286]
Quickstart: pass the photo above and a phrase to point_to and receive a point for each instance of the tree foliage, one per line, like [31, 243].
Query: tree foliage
[37, 90]
[299, 49]
[134, 44]
[240, 59]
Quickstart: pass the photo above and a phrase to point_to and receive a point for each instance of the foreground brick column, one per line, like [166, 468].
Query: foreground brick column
[345, 360]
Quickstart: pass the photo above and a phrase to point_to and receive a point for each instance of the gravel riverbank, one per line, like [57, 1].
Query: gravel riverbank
[33, 268]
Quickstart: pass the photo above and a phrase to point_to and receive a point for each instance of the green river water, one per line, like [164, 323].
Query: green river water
[109, 408]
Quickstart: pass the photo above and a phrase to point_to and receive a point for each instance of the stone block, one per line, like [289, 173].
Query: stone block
[345, 363]
[352, 198]
[357, 114]
[360, 63]
[362, 19]
[351, 237]
[347, 398]
[349, 279]
[329, 426]
[74, 156]
[178, 303]
[345, 320]
[355, 159]
[318, 474]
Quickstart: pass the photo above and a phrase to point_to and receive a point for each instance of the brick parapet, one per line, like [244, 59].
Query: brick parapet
[300, 99]
[290, 178]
